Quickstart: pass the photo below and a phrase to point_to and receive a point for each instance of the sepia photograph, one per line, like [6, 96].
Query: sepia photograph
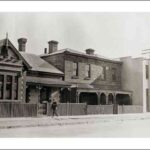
[74, 74]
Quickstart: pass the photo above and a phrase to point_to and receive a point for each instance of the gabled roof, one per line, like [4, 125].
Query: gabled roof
[32, 62]
[38, 64]
[71, 51]
[3, 42]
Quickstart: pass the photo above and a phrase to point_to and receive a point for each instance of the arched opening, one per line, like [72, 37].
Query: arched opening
[110, 99]
[89, 98]
[103, 99]
[123, 99]
[65, 95]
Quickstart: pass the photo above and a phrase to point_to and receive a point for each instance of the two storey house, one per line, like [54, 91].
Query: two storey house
[94, 79]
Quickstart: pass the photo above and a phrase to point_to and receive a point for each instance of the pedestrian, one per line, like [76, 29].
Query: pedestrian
[54, 108]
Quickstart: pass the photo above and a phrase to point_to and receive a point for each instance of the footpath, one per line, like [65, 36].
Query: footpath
[67, 120]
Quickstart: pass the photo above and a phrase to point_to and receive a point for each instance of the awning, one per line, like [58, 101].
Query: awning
[47, 82]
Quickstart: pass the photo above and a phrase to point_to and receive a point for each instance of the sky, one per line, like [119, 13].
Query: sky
[112, 35]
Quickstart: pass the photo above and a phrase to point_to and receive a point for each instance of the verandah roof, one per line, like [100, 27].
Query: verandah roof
[47, 82]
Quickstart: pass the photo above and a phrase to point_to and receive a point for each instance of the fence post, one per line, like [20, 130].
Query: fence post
[11, 109]
[67, 108]
[47, 109]
[86, 109]
[115, 108]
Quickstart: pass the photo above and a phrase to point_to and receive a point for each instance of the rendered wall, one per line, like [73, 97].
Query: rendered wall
[132, 78]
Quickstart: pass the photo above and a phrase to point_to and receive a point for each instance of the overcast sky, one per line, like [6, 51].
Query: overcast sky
[110, 34]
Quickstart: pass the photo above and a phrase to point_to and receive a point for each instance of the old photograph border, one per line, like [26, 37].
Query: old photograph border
[74, 143]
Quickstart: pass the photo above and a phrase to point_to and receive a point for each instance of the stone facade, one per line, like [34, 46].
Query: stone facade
[12, 73]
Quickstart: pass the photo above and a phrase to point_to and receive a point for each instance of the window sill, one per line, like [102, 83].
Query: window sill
[5, 100]
[75, 77]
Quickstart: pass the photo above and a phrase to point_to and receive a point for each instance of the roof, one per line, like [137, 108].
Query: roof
[82, 86]
[47, 81]
[38, 64]
[3, 42]
[92, 87]
[95, 56]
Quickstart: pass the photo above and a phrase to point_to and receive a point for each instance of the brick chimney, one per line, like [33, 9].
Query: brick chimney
[22, 44]
[90, 51]
[53, 46]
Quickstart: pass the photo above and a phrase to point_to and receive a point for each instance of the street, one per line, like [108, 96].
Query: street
[114, 127]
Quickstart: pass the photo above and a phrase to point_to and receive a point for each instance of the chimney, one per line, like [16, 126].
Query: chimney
[45, 51]
[53, 46]
[22, 44]
[90, 51]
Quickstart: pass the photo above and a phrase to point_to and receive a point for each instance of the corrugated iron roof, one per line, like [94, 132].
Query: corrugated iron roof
[38, 64]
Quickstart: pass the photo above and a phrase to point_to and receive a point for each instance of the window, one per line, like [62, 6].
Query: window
[4, 51]
[114, 74]
[1, 86]
[16, 88]
[8, 87]
[147, 99]
[147, 71]
[102, 73]
[88, 71]
[75, 69]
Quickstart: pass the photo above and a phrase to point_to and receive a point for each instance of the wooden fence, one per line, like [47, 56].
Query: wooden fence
[100, 109]
[17, 109]
[71, 109]
[10, 109]
[124, 109]
[68, 109]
